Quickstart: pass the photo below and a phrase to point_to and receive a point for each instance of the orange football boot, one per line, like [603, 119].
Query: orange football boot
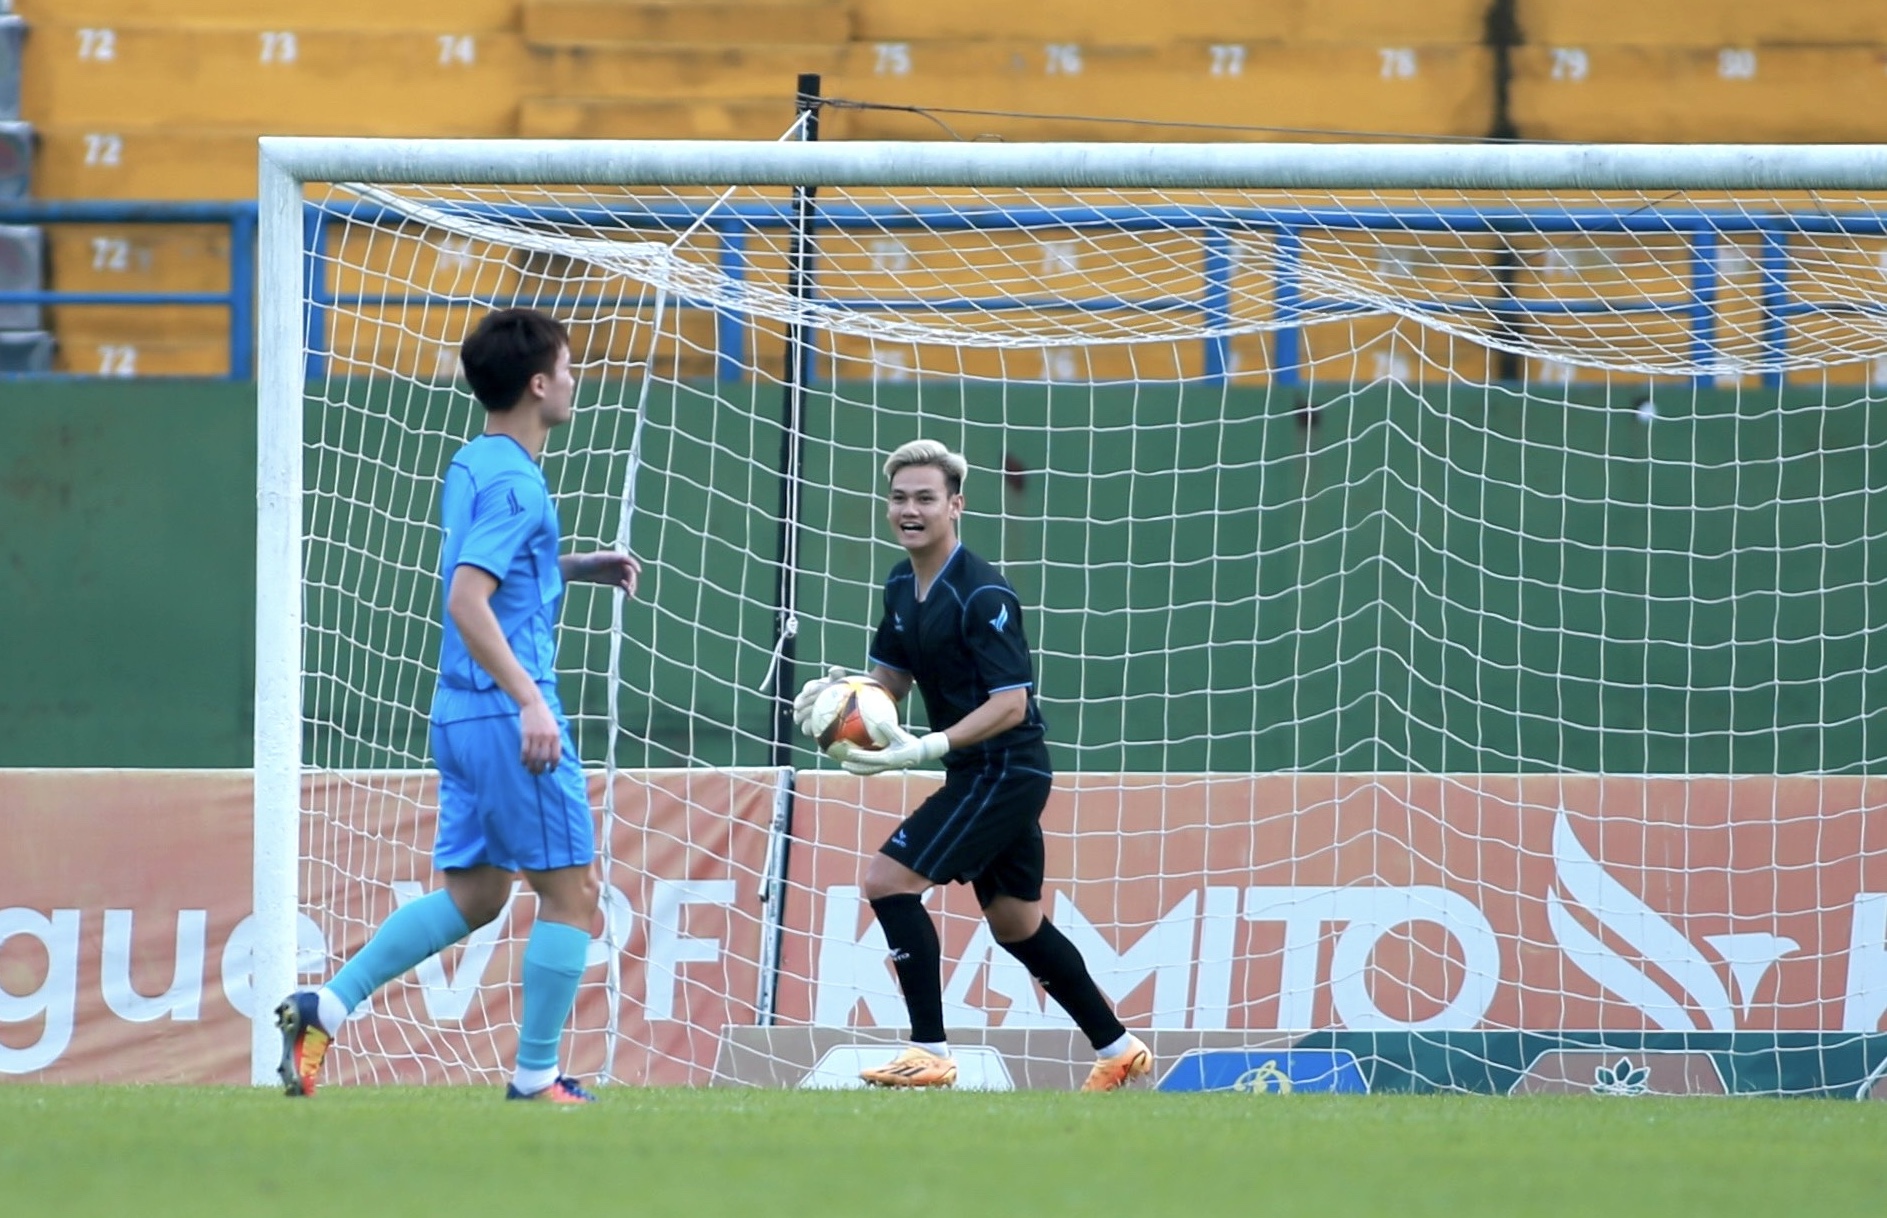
[1113, 1073]
[914, 1067]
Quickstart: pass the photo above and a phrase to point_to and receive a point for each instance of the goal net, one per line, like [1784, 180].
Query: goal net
[1453, 581]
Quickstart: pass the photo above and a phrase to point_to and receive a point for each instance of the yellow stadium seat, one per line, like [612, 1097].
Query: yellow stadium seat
[199, 353]
[1329, 87]
[138, 257]
[567, 22]
[142, 324]
[377, 82]
[1068, 20]
[133, 355]
[1385, 22]
[675, 71]
[621, 118]
[1700, 94]
[444, 16]
[1699, 23]
[1391, 22]
[133, 163]
[1284, 88]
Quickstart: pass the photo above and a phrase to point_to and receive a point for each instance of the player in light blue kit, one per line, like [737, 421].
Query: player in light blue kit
[511, 791]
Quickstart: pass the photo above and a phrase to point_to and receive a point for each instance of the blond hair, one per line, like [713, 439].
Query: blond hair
[929, 452]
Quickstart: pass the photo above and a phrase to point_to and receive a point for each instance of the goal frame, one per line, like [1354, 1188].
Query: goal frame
[287, 164]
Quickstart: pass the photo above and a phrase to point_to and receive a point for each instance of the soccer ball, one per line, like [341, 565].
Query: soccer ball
[853, 713]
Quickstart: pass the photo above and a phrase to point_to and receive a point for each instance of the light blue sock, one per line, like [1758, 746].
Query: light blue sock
[553, 964]
[412, 933]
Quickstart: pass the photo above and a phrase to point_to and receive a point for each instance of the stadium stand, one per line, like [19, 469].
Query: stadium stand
[1443, 89]
[1099, 21]
[549, 23]
[1699, 23]
[163, 99]
[25, 346]
[1714, 93]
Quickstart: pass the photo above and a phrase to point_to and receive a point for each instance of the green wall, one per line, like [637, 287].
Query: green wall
[127, 573]
[1464, 580]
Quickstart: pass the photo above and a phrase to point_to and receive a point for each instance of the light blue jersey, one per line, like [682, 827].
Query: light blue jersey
[497, 515]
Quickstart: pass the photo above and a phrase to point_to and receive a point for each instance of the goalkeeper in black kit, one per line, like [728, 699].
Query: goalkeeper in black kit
[952, 627]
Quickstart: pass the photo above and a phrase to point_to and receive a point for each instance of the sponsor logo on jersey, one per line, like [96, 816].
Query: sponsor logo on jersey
[1000, 620]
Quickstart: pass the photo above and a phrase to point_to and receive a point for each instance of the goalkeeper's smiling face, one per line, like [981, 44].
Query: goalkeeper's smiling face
[922, 511]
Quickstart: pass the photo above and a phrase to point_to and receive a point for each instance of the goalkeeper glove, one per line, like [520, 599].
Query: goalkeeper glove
[809, 694]
[902, 753]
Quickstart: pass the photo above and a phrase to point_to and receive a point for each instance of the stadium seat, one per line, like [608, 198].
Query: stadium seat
[1065, 21]
[144, 326]
[1391, 22]
[133, 163]
[109, 339]
[1324, 87]
[1701, 94]
[621, 118]
[376, 82]
[197, 353]
[1438, 90]
[566, 22]
[1382, 22]
[1699, 23]
[138, 257]
[708, 71]
[125, 340]
[455, 16]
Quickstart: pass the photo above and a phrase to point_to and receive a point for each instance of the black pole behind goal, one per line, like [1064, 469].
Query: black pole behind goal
[799, 353]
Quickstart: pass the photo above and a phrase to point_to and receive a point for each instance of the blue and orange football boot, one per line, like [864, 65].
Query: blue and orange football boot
[565, 1090]
[304, 1042]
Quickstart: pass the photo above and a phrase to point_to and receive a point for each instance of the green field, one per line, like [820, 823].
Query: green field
[156, 1151]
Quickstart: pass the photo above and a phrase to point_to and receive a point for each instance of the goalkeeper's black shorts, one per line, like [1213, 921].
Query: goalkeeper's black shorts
[983, 827]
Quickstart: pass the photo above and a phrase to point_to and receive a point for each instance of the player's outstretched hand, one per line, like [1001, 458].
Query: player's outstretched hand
[901, 754]
[611, 568]
[809, 694]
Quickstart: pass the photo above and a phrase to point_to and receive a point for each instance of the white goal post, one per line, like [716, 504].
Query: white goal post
[1729, 329]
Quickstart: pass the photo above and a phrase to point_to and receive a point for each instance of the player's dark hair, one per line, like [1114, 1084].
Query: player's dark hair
[506, 349]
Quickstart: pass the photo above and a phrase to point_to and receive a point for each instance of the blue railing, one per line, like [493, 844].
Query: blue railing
[239, 299]
[1216, 228]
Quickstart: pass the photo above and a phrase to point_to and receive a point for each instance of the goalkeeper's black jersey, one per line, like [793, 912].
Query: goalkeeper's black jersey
[961, 643]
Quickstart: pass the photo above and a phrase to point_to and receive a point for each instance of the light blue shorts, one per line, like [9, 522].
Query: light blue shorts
[494, 811]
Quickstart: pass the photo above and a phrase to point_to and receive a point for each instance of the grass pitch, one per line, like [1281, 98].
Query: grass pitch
[353, 1152]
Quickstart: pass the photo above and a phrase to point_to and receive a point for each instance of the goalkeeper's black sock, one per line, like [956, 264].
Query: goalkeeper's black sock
[915, 953]
[1058, 965]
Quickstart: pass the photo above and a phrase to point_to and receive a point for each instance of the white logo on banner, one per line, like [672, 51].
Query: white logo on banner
[1589, 887]
[1368, 914]
[1189, 948]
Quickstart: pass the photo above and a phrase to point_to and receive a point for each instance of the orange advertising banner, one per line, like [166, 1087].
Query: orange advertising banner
[124, 948]
[1392, 903]
[1366, 903]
